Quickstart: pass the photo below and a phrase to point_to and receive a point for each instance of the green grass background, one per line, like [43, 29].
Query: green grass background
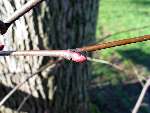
[116, 16]
[119, 15]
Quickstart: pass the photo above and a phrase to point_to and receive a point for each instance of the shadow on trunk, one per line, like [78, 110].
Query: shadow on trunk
[64, 24]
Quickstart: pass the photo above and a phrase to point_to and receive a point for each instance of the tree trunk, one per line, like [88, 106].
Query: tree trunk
[53, 24]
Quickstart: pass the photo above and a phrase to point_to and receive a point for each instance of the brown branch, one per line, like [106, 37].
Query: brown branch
[17, 14]
[74, 54]
[114, 43]
[29, 5]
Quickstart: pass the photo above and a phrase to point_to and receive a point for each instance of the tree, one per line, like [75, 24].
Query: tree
[52, 25]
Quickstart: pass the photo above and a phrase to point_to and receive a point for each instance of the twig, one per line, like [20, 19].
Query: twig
[17, 14]
[24, 9]
[122, 31]
[20, 84]
[23, 102]
[67, 54]
[104, 62]
[29, 5]
[140, 99]
[140, 79]
[74, 54]
[115, 43]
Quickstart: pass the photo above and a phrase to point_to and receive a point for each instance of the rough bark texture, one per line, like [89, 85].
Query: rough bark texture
[54, 24]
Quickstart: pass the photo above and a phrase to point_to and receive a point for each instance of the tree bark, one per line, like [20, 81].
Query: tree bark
[53, 24]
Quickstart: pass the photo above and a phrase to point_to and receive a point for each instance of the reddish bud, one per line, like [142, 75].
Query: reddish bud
[77, 57]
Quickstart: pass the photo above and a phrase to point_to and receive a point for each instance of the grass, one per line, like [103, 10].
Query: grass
[115, 16]
[118, 15]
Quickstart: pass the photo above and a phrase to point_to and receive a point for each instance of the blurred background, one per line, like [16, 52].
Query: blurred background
[112, 85]
[113, 90]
